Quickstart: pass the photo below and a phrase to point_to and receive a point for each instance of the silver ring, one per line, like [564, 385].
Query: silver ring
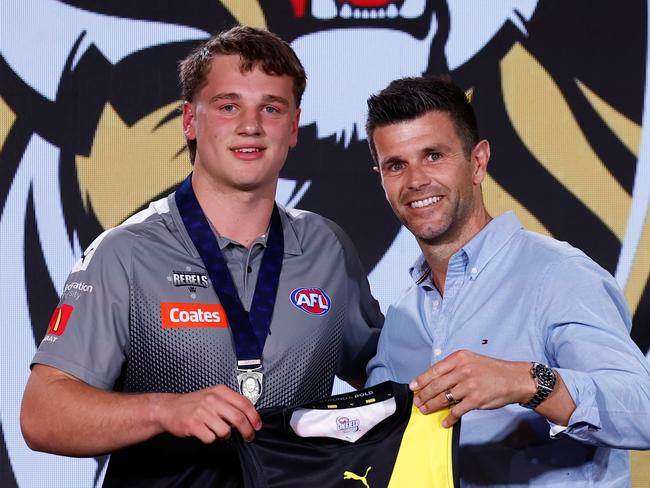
[450, 398]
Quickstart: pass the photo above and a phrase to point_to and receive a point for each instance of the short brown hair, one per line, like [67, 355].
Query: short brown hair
[410, 98]
[255, 47]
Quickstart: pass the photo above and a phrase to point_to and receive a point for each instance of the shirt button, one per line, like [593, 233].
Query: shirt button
[437, 351]
[435, 304]
[474, 271]
[249, 269]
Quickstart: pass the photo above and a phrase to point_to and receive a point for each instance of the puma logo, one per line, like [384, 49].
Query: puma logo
[349, 475]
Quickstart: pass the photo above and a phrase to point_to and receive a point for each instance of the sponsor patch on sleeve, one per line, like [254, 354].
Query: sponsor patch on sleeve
[60, 319]
[192, 315]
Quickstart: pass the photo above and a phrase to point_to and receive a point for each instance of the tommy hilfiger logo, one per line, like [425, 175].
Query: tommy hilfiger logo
[190, 278]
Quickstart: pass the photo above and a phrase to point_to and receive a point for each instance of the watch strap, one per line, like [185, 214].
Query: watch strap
[545, 379]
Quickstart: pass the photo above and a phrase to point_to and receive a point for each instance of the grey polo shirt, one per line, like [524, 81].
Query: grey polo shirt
[138, 313]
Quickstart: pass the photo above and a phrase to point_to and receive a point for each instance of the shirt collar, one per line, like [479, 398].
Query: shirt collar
[420, 272]
[291, 243]
[478, 252]
[489, 241]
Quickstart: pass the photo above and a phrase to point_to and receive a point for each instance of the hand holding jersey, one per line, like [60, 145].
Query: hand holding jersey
[207, 414]
[475, 381]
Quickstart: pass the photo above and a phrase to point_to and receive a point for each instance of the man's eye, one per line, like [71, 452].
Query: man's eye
[229, 107]
[271, 109]
[394, 167]
[434, 156]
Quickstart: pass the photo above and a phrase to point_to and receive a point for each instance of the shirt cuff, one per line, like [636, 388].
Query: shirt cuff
[556, 430]
[586, 417]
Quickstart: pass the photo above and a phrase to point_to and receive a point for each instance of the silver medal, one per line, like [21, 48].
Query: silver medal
[250, 384]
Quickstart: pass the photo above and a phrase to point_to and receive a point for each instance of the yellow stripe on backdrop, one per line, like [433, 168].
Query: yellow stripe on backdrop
[640, 469]
[498, 200]
[546, 125]
[549, 130]
[627, 131]
[130, 165]
[7, 119]
[246, 12]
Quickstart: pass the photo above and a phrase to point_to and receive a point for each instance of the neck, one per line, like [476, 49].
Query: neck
[438, 252]
[241, 216]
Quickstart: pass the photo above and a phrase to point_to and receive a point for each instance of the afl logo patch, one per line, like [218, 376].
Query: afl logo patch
[313, 301]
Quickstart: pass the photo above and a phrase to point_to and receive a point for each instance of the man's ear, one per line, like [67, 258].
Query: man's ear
[188, 121]
[480, 157]
[294, 129]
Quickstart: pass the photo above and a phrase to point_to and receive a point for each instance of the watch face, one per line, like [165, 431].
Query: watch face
[544, 375]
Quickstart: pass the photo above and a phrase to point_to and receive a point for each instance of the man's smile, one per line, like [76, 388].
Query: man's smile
[425, 202]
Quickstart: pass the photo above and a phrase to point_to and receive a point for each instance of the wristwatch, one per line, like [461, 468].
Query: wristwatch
[545, 379]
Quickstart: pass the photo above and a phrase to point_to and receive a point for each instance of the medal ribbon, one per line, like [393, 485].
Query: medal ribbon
[249, 329]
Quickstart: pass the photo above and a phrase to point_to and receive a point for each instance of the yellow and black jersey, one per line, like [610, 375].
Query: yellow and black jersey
[374, 438]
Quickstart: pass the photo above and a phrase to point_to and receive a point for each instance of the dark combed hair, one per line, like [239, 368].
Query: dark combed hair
[256, 48]
[409, 98]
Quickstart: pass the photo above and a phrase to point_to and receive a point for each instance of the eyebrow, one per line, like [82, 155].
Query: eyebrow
[436, 148]
[237, 96]
[390, 160]
[276, 99]
[225, 96]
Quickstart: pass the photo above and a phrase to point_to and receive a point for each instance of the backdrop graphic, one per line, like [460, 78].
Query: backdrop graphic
[90, 132]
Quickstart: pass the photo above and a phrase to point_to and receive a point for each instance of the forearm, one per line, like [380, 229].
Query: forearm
[559, 406]
[65, 416]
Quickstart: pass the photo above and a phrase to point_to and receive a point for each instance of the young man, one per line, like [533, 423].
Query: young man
[520, 332]
[211, 300]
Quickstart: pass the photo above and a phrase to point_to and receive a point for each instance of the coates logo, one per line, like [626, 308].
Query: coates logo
[192, 315]
[60, 319]
[311, 300]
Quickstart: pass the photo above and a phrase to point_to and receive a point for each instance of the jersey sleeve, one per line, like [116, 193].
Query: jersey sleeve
[364, 317]
[87, 335]
[587, 327]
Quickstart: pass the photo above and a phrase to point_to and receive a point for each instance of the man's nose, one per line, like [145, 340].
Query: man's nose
[250, 123]
[417, 176]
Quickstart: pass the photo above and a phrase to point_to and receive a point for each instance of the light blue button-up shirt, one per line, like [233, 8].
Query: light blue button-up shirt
[520, 296]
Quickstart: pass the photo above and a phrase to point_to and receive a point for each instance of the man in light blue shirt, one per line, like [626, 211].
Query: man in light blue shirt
[526, 336]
